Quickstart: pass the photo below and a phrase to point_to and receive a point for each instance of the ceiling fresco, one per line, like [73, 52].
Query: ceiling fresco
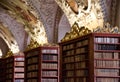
[23, 13]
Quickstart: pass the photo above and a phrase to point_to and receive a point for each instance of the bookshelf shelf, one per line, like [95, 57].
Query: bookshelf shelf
[107, 51]
[42, 64]
[107, 67]
[108, 76]
[94, 57]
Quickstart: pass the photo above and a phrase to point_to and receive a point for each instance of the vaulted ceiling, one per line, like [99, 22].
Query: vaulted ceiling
[48, 12]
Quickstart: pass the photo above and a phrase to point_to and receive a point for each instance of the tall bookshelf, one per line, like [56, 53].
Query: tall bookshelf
[94, 57]
[2, 70]
[14, 71]
[42, 64]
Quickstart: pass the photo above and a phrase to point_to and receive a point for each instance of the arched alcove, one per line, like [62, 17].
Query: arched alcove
[64, 27]
[7, 36]
[3, 47]
[16, 28]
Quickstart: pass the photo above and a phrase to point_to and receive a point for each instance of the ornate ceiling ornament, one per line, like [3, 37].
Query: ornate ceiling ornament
[75, 32]
[24, 14]
[107, 28]
[87, 13]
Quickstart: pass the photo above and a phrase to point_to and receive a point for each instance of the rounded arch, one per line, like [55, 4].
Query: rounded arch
[58, 17]
[63, 27]
[3, 48]
[15, 27]
[7, 36]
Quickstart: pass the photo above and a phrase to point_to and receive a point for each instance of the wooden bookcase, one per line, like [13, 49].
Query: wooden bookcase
[2, 70]
[14, 71]
[94, 57]
[42, 64]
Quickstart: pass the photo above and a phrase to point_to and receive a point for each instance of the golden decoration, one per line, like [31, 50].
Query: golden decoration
[107, 28]
[33, 44]
[9, 53]
[75, 32]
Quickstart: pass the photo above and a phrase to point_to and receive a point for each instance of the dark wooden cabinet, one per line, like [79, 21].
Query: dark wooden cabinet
[42, 64]
[2, 70]
[94, 57]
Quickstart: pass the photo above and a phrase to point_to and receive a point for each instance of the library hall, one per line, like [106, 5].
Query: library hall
[59, 41]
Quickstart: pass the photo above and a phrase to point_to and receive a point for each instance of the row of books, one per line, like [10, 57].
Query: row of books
[19, 59]
[49, 80]
[107, 72]
[82, 43]
[32, 60]
[68, 80]
[31, 54]
[81, 50]
[106, 40]
[9, 65]
[7, 80]
[106, 55]
[19, 69]
[106, 47]
[20, 63]
[81, 79]
[19, 75]
[69, 73]
[67, 47]
[16, 75]
[32, 74]
[68, 66]
[68, 59]
[80, 57]
[69, 53]
[16, 69]
[9, 60]
[81, 73]
[16, 80]
[10, 70]
[32, 67]
[52, 51]
[100, 63]
[78, 44]
[107, 80]
[77, 65]
[49, 73]
[32, 80]
[9, 76]
[19, 80]
[50, 57]
[49, 65]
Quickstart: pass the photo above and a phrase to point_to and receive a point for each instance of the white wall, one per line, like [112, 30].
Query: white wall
[64, 27]
[118, 14]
